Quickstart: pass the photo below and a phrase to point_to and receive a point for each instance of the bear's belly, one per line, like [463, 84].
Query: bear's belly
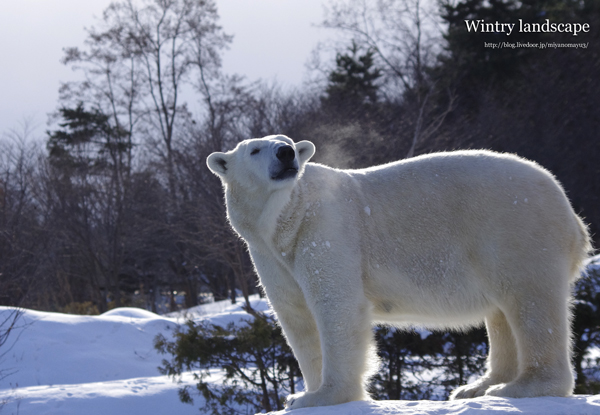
[434, 318]
[435, 300]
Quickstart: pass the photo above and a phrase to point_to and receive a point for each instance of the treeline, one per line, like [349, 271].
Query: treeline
[116, 207]
[119, 207]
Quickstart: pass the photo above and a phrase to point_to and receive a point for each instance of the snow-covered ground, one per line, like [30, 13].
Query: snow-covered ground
[87, 365]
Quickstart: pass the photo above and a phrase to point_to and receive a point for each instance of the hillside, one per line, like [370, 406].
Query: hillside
[98, 365]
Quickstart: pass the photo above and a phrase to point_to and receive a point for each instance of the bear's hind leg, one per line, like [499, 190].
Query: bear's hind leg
[502, 362]
[540, 324]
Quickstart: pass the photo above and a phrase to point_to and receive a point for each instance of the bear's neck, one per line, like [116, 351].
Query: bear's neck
[256, 214]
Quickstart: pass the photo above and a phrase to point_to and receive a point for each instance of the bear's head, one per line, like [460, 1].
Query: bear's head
[271, 162]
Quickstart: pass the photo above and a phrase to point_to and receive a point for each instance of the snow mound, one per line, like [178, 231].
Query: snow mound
[593, 263]
[210, 310]
[130, 312]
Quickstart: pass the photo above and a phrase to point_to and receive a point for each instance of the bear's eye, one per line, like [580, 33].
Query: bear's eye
[255, 151]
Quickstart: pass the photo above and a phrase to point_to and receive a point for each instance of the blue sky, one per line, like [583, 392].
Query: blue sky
[273, 40]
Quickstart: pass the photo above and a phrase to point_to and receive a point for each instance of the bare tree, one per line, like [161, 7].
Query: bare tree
[22, 237]
[139, 60]
[137, 63]
[203, 224]
[9, 317]
[405, 36]
[403, 33]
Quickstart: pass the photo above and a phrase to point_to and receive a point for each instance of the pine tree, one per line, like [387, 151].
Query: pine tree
[470, 55]
[259, 367]
[352, 88]
[89, 195]
[87, 140]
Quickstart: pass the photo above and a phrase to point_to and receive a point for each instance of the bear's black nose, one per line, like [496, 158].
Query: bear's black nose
[285, 154]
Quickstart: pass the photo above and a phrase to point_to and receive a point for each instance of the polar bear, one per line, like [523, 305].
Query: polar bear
[445, 240]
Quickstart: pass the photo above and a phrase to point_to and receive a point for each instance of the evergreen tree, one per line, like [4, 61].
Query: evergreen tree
[260, 369]
[586, 331]
[352, 88]
[470, 57]
[87, 140]
[88, 197]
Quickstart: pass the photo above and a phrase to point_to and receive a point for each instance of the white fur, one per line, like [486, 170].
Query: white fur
[445, 240]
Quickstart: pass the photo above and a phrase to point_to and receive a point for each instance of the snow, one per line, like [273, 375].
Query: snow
[97, 365]
[588, 405]
[67, 364]
[593, 263]
[129, 312]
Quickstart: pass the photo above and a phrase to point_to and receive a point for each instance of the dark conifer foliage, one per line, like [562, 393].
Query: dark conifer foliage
[476, 59]
[352, 87]
[586, 330]
[260, 369]
[87, 138]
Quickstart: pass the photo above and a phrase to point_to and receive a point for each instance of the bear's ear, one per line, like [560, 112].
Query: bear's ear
[217, 163]
[306, 150]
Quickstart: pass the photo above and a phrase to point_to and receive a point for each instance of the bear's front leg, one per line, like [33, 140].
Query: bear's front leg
[300, 330]
[343, 317]
[294, 316]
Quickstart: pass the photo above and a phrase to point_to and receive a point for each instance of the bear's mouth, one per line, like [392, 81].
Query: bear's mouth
[287, 173]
